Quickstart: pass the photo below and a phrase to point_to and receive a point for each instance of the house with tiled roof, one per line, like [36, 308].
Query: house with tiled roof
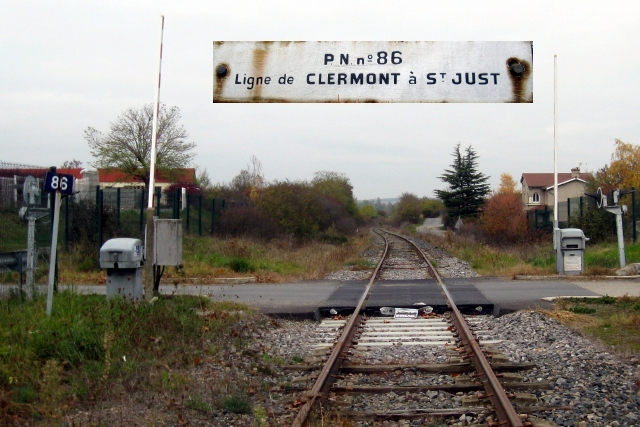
[86, 181]
[537, 188]
[114, 178]
[12, 181]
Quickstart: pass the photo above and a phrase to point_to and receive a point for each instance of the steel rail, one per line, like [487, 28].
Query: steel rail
[503, 408]
[339, 351]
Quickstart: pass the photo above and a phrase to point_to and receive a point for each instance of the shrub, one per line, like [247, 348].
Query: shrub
[236, 404]
[295, 207]
[240, 265]
[598, 224]
[336, 186]
[503, 220]
[244, 220]
[408, 209]
[431, 208]
[583, 310]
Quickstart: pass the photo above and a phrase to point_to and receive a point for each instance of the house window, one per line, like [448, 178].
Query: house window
[536, 198]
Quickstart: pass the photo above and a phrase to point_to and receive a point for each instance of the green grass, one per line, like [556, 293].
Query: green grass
[360, 264]
[530, 258]
[543, 259]
[632, 252]
[244, 259]
[615, 321]
[236, 404]
[606, 255]
[98, 343]
[242, 264]
[198, 403]
[13, 233]
[411, 228]
[484, 258]
[583, 310]
[297, 359]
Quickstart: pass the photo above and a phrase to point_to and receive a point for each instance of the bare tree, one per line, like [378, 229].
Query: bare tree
[250, 178]
[202, 179]
[127, 146]
[71, 164]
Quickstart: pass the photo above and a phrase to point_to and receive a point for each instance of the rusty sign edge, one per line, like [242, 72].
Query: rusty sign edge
[521, 84]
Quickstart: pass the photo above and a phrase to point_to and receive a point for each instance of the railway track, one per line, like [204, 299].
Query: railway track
[424, 359]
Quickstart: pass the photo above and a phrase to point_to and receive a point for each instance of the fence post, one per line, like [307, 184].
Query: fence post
[142, 210]
[158, 194]
[187, 213]
[200, 215]
[118, 207]
[568, 210]
[581, 213]
[52, 215]
[176, 203]
[545, 219]
[213, 213]
[633, 213]
[66, 223]
[51, 209]
[99, 207]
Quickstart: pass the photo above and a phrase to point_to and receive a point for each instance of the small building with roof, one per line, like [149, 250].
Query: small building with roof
[538, 188]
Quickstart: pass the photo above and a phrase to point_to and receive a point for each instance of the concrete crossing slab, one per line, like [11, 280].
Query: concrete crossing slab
[405, 294]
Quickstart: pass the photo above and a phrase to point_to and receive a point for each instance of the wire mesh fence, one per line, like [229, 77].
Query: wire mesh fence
[583, 213]
[95, 215]
[90, 218]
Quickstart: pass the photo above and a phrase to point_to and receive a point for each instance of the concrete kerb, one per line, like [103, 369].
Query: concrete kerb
[614, 286]
[572, 278]
[213, 281]
[552, 299]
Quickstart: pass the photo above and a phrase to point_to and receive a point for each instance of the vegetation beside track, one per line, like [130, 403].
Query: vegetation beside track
[280, 260]
[532, 258]
[614, 321]
[207, 258]
[80, 356]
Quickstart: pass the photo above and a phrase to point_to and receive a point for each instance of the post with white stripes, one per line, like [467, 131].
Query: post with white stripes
[149, 240]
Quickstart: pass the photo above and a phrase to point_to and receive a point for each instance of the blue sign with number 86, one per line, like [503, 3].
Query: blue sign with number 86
[54, 182]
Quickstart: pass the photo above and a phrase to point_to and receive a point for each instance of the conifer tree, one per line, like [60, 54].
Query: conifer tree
[467, 187]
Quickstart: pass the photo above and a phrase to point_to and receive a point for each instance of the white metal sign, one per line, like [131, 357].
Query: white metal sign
[572, 262]
[383, 71]
[406, 313]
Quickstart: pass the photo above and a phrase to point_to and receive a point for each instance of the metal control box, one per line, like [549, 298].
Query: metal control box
[572, 246]
[123, 258]
[168, 242]
[122, 252]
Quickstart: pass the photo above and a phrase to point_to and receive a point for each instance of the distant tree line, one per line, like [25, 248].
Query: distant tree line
[323, 208]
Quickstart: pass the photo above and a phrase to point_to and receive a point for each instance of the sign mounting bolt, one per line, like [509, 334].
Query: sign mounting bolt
[517, 69]
[222, 70]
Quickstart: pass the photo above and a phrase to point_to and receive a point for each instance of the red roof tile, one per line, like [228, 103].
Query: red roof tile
[546, 179]
[115, 175]
[40, 173]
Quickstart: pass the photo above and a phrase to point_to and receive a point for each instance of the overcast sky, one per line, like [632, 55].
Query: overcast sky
[67, 65]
